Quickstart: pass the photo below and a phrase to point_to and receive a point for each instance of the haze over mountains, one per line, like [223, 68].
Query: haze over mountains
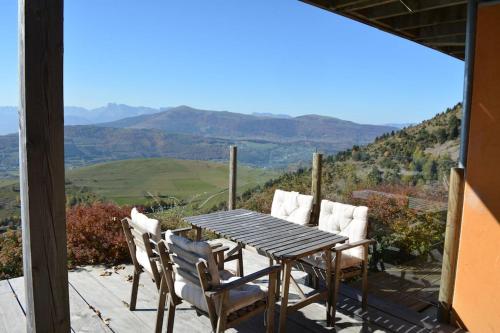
[75, 115]
[119, 132]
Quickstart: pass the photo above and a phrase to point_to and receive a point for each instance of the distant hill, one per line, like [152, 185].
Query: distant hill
[85, 145]
[74, 115]
[230, 125]
[187, 133]
[270, 115]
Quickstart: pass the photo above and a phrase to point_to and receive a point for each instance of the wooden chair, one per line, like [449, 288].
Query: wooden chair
[349, 259]
[293, 207]
[142, 233]
[190, 273]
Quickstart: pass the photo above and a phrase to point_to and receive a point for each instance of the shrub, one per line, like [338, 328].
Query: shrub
[11, 255]
[95, 234]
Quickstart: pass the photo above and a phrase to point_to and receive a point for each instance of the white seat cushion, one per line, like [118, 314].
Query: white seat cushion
[144, 224]
[318, 260]
[238, 298]
[292, 206]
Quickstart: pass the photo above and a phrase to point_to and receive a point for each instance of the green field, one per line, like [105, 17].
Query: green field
[137, 181]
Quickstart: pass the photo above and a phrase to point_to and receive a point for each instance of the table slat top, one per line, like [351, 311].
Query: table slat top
[278, 238]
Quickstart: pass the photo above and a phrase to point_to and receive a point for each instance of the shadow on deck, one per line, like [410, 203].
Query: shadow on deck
[99, 303]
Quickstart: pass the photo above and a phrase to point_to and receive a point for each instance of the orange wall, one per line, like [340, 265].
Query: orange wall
[476, 300]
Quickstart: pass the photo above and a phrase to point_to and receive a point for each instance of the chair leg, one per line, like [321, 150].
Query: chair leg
[171, 315]
[161, 306]
[135, 286]
[364, 297]
[221, 321]
[336, 287]
[239, 265]
[270, 303]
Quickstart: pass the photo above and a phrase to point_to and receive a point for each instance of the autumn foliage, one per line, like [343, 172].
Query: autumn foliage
[95, 234]
[11, 257]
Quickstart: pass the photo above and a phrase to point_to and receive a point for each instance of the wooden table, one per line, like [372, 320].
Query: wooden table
[278, 239]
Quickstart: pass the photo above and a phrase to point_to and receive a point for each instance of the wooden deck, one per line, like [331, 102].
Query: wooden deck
[99, 298]
[414, 285]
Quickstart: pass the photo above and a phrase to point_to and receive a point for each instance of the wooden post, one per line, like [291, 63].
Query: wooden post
[316, 187]
[232, 177]
[41, 145]
[452, 236]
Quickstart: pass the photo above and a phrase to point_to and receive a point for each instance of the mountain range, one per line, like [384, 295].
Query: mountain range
[75, 115]
[187, 133]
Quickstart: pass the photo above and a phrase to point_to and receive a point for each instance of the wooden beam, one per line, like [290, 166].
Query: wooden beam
[356, 4]
[452, 236]
[427, 18]
[437, 31]
[416, 6]
[41, 145]
[233, 152]
[367, 5]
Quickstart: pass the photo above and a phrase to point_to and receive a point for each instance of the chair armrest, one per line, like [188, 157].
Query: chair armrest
[363, 242]
[242, 280]
[180, 231]
[220, 249]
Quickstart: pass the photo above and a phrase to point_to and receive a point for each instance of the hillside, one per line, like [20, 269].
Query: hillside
[419, 155]
[86, 145]
[138, 181]
[187, 133]
[145, 182]
[410, 163]
[230, 125]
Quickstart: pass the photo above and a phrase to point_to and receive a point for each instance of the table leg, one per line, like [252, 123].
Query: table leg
[329, 301]
[284, 294]
[198, 233]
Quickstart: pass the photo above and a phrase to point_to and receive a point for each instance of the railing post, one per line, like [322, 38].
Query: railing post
[41, 165]
[233, 151]
[316, 187]
[450, 251]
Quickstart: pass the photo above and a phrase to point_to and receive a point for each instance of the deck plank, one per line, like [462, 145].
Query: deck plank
[12, 318]
[83, 318]
[110, 307]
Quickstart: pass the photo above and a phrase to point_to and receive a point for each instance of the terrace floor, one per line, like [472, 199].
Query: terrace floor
[99, 299]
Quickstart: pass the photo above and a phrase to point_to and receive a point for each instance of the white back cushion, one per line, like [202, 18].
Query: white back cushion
[144, 224]
[292, 206]
[193, 249]
[346, 220]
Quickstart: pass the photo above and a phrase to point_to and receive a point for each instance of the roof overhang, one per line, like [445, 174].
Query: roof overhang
[438, 24]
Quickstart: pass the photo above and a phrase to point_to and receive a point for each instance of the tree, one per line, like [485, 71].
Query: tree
[453, 127]
[441, 135]
[430, 170]
[374, 177]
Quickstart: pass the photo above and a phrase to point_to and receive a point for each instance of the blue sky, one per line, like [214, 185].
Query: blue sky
[279, 56]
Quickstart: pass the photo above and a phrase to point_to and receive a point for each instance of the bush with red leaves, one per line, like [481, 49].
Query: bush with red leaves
[95, 234]
[11, 255]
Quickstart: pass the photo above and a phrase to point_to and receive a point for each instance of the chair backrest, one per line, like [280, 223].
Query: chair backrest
[185, 254]
[141, 229]
[346, 220]
[292, 206]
